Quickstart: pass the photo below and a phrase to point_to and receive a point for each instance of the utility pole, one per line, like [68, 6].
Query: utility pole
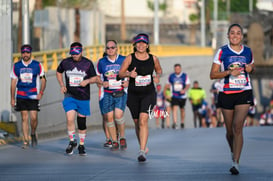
[203, 24]
[156, 23]
[228, 9]
[123, 25]
[215, 19]
[6, 58]
[251, 6]
[25, 17]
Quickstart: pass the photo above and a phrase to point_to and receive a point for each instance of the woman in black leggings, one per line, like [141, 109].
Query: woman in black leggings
[139, 67]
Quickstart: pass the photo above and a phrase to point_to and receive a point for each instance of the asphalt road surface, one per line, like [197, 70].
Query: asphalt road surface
[188, 154]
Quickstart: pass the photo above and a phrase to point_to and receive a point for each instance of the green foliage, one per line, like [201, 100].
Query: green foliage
[194, 17]
[236, 6]
[162, 6]
[49, 3]
[70, 3]
[241, 6]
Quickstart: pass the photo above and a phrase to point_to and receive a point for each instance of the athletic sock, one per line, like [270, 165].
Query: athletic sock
[82, 138]
[71, 135]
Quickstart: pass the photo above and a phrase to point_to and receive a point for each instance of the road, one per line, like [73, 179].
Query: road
[188, 154]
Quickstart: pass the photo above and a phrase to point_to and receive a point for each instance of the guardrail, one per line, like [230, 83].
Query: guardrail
[50, 59]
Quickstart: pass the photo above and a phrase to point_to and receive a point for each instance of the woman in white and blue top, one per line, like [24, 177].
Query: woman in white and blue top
[232, 64]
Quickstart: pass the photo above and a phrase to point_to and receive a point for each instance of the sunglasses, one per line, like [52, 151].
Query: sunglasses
[110, 48]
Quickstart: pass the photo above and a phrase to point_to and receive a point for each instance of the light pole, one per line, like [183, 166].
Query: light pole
[228, 9]
[215, 17]
[156, 23]
[250, 6]
[203, 24]
[25, 17]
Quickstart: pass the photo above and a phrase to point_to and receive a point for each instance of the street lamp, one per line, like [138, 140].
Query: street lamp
[202, 22]
[25, 17]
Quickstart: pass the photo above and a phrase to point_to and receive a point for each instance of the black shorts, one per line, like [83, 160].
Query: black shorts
[140, 103]
[196, 107]
[178, 102]
[229, 101]
[27, 105]
[251, 115]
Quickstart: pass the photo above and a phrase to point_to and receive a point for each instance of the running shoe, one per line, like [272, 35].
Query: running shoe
[123, 144]
[115, 146]
[141, 156]
[71, 146]
[234, 169]
[81, 149]
[25, 145]
[182, 125]
[34, 140]
[108, 144]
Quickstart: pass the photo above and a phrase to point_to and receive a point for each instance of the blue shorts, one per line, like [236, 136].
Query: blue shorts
[101, 104]
[80, 106]
[109, 103]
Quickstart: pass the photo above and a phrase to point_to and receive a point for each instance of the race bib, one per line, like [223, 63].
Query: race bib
[177, 86]
[114, 84]
[159, 102]
[143, 80]
[26, 77]
[237, 81]
[74, 81]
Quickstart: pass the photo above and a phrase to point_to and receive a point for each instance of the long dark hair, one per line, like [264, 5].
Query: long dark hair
[235, 24]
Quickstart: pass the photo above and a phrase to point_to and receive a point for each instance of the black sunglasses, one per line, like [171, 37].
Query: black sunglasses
[110, 48]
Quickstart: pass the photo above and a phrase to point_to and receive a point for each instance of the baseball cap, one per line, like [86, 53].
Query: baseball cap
[26, 48]
[75, 48]
[142, 37]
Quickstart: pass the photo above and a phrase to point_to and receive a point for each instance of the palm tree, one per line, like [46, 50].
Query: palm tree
[194, 20]
[77, 5]
[37, 30]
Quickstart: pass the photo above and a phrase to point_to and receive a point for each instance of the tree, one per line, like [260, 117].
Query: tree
[236, 6]
[162, 6]
[194, 17]
[75, 4]
[37, 30]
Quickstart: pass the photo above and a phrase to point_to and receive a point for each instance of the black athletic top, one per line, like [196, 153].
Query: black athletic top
[75, 72]
[143, 83]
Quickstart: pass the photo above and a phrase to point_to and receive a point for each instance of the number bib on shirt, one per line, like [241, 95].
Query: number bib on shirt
[159, 102]
[114, 84]
[143, 80]
[26, 77]
[237, 81]
[177, 86]
[74, 81]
